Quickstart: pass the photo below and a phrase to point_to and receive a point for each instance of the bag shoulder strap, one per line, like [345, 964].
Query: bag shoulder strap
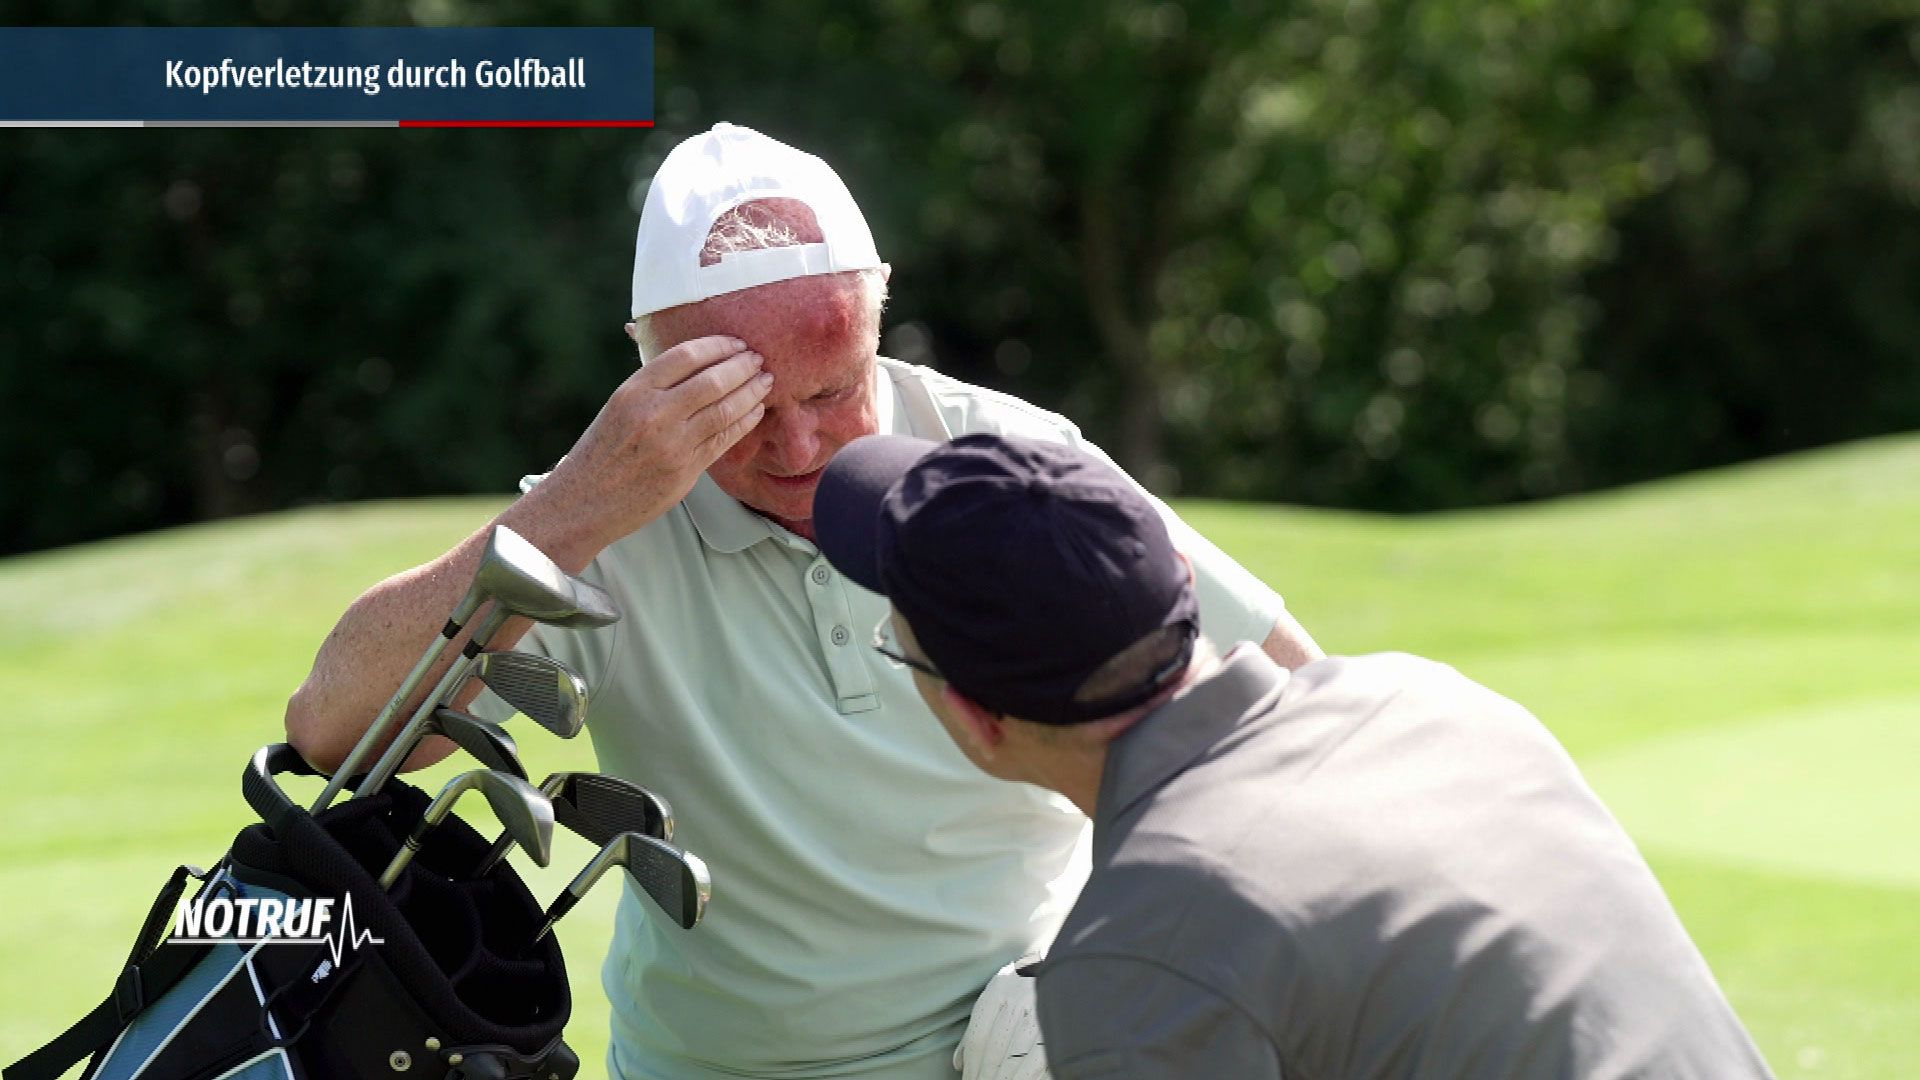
[148, 974]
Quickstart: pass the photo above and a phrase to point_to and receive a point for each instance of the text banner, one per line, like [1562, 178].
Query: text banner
[462, 76]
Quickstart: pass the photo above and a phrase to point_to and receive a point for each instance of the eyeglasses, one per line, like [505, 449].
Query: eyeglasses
[887, 644]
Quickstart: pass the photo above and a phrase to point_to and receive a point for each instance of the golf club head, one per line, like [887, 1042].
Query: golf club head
[599, 807]
[676, 880]
[544, 689]
[592, 606]
[524, 811]
[486, 741]
[520, 578]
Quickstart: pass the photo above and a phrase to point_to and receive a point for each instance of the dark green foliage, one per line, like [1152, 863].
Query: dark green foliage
[1378, 253]
[1769, 304]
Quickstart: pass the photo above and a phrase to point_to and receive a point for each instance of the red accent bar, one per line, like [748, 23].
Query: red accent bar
[527, 123]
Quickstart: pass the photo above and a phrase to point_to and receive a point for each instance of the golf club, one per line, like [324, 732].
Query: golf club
[519, 578]
[596, 808]
[485, 740]
[526, 813]
[541, 688]
[537, 686]
[677, 880]
[589, 606]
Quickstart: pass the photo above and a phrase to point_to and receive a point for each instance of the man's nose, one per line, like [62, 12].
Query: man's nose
[793, 440]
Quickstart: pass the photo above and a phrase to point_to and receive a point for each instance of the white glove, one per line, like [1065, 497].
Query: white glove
[1003, 1034]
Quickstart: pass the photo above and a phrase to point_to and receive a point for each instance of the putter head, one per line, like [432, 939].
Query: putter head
[520, 578]
[485, 740]
[524, 810]
[599, 808]
[544, 689]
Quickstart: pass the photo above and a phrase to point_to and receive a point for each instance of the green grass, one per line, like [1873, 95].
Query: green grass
[1730, 657]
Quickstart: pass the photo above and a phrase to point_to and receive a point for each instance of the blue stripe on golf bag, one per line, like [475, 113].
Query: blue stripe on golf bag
[221, 993]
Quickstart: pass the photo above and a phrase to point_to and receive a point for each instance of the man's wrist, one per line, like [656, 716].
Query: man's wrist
[557, 526]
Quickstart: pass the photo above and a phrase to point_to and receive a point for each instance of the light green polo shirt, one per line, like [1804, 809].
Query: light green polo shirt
[867, 879]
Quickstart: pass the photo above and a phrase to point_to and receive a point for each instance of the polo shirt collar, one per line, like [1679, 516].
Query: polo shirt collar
[728, 527]
[724, 523]
[1172, 737]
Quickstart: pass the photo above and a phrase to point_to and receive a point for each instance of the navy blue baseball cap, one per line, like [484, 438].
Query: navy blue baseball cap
[1030, 571]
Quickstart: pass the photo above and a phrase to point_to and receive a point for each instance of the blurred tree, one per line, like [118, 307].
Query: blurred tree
[204, 323]
[1331, 251]
[1358, 252]
[1764, 301]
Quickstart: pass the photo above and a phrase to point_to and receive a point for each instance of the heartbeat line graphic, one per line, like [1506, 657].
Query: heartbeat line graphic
[348, 936]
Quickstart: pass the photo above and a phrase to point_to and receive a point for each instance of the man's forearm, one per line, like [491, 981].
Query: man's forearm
[657, 433]
[372, 647]
[383, 634]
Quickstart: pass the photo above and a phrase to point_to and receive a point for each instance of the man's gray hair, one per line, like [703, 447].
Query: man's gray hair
[1157, 657]
[755, 226]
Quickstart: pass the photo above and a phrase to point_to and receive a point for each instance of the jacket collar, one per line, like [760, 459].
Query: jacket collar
[1172, 737]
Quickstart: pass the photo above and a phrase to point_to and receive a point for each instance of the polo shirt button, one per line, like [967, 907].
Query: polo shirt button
[840, 635]
[821, 575]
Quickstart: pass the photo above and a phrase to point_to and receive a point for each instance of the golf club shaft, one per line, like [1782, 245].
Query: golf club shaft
[442, 803]
[555, 913]
[409, 737]
[401, 858]
[383, 723]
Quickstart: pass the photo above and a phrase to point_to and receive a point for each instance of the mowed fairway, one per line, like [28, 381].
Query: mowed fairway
[1734, 659]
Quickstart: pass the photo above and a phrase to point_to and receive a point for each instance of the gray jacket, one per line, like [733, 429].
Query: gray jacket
[1373, 867]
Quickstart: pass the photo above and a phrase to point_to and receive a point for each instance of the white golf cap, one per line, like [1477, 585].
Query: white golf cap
[710, 174]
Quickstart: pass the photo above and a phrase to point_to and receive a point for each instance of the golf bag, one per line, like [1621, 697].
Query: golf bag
[434, 980]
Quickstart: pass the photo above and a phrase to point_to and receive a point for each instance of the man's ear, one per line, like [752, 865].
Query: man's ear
[984, 727]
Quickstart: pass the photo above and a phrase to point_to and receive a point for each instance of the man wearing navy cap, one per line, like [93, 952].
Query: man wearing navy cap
[1368, 867]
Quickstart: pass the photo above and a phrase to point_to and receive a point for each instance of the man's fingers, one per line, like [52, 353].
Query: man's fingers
[722, 441]
[689, 358]
[729, 407]
[706, 387]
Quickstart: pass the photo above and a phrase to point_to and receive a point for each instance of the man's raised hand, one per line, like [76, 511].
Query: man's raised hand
[656, 434]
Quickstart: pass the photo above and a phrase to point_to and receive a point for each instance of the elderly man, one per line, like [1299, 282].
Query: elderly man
[1368, 868]
[868, 882]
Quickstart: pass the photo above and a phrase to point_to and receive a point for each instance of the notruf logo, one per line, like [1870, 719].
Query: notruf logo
[270, 920]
